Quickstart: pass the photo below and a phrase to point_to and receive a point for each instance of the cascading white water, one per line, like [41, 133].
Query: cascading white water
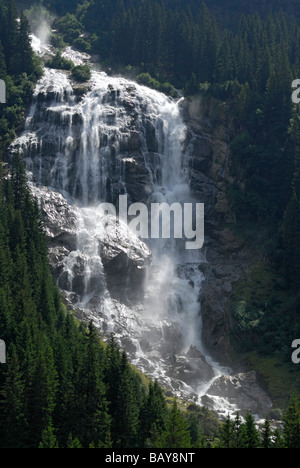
[122, 138]
[81, 148]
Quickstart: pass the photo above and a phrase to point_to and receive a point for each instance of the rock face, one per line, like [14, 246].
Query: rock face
[90, 153]
[60, 217]
[125, 260]
[123, 257]
[241, 391]
[228, 259]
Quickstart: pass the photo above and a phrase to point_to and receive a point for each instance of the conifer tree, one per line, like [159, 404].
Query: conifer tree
[11, 41]
[49, 440]
[24, 46]
[227, 433]
[291, 430]
[14, 426]
[73, 443]
[127, 412]
[237, 432]
[153, 413]
[251, 437]
[266, 435]
[176, 434]
[92, 413]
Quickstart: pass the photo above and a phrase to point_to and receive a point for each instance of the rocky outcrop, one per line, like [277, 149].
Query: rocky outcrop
[122, 258]
[60, 218]
[211, 130]
[227, 257]
[242, 391]
[192, 371]
[125, 260]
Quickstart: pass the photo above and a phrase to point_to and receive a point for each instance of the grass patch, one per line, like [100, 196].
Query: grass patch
[282, 379]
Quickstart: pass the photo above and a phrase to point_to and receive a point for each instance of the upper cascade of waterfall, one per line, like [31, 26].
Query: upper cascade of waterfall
[81, 147]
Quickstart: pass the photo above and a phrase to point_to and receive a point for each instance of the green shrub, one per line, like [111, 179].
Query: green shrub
[81, 73]
[60, 63]
[69, 27]
[147, 80]
[82, 45]
[57, 41]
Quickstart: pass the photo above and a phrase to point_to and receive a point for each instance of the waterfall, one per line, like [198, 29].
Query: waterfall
[86, 148]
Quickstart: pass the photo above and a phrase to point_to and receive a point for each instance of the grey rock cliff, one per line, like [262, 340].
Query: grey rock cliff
[211, 130]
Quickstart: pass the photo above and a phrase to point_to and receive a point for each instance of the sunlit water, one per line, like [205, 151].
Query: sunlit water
[80, 148]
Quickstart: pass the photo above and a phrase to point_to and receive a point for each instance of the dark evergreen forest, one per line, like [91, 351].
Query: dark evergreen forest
[62, 387]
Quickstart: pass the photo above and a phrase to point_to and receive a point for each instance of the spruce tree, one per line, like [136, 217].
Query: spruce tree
[291, 429]
[153, 413]
[176, 434]
[13, 424]
[92, 412]
[251, 436]
[227, 433]
[24, 46]
[266, 435]
[49, 440]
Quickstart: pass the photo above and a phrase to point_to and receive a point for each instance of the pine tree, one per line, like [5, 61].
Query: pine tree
[176, 434]
[19, 182]
[11, 49]
[291, 430]
[49, 440]
[73, 443]
[127, 410]
[24, 46]
[153, 413]
[277, 107]
[237, 432]
[251, 437]
[13, 425]
[266, 435]
[291, 225]
[227, 433]
[278, 440]
[2, 63]
[92, 413]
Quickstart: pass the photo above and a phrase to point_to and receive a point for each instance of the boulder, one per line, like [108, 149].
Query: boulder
[193, 371]
[125, 260]
[60, 218]
[243, 391]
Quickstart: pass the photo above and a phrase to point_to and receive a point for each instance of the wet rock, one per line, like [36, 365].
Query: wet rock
[137, 178]
[128, 345]
[134, 142]
[194, 353]
[244, 391]
[191, 370]
[208, 402]
[151, 139]
[125, 259]
[57, 256]
[60, 219]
